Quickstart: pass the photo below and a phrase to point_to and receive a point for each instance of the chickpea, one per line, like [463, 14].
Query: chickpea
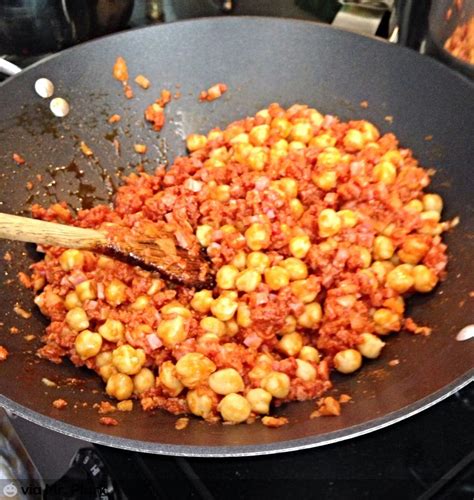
[127, 359]
[329, 158]
[224, 307]
[221, 153]
[259, 400]
[277, 277]
[296, 268]
[226, 381]
[194, 369]
[239, 260]
[370, 132]
[143, 381]
[347, 361]
[234, 408]
[289, 325]
[141, 303]
[414, 206]
[241, 152]
[201, 401]
[112, 330]
[296, 146]
[311, 316]
[77, 319]
[301, 132]
[433, 202]
[226, 276]
[195, 142]
[175, 308]
[257, 236]
[305, 371]
[430, 220]
[119, 386]
[244, 316]
[172, 331]
[329, 223]
[425, 279]
[309, 353]
[231, 327]
[401, 279]
[281, 144]
[323, 141]
[88, 344]
[296, 208]
[370, 345]
[326, 180]
[104, 358]
[302, 292]
[107, 371]
[169, 380]
[385, 172]
[259, 135]
[299, 246]
[215, 135]
[71, 301]
[71, 259]
[383, 248]
[348, 218]
[86, 290]
[289, 187]
[381, 269]
[354, 140]
[155, 287]
[265, 114]
[291, 344]
[413, 249]
[315, 117]
[242, 138]
[204, 234]
[248, 280]
[393, 156]
[115, 292]
[258, 261]
[386, 321]
[282, 125]
[202, 300]
[257, 159]
[277, 384]
[213, 325]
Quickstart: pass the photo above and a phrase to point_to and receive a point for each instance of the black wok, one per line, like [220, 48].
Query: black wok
[262, 61]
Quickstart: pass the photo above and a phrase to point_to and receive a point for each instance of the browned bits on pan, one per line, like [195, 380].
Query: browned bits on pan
[25, 280]
[428, 137]
[126, 405]
[394, 362]
[274, 422]
[114, 118]
[181, 423]
[29, 185]
[7, 257]
[165, 98]
[142, 81]
[14, 330]
[449, 14]
[128, 91]
[59, 403]
[364, 104]
[19, 311]
[29, 337]
[155, 115]
[344, 398]
[410, 325]
[48, 383]
[105, 407]
[140, 148]
[86, 150]
[108, 421]
[389, 119]
[3, 353]
[120, 70]
[18, 159]
[461, 42]
[213, 92]
[328, 407]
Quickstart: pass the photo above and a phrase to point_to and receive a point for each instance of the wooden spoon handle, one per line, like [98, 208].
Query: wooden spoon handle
[17, 228]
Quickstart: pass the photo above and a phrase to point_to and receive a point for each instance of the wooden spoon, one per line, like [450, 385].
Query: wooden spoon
[158, 254]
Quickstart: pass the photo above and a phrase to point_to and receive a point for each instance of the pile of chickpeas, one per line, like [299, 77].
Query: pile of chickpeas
[288, 191]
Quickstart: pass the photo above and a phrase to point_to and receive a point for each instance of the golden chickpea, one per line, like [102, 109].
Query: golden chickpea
[215, 135]
[329, 223]
[289, 325]
[297, 269]
[86, 290]
[347, 361]
[241, 152]
[239, 260]
[213, 325]
[242, 138]
[226, 381]
[231, 327]
[433, 202]
[348, 218]
[370, 132]
[259, 135]
[71, 301]
[282, 125]
[329, 158]
[425, 279]
[277, 277]
[115, 292]
[202, 301]
[393, 156]
[323, 141]
[301, 291]
[305, 371]
[143, 381]
[141, 303]
[381, 269]
[414, 206]
[296, 146]
[221, 153]
[258, 261]
[119, 386]
[244, 316]
[71, 259]
[277, 384]
[301, 132]
[155, 287]
[309, 353]
[386, 321]
[370, 345]
[195, 142]
[299, 246]
[401, 279]
[385, 172]
[326, 180]
[77, 319]
[104, 358]
[259, 400]
[296, 208]
[88, 344]
[169, 380]
[248, 280]
[257, 159]
[204, 234]
[281, 145]
[413, 249]
[201, 402]
[311, 316]
[234, 408]
[383, 248]
[127, 359]
[224, 307]
[112, 330]
[226, 276]
[257, 236]
[354, 140]
[107, 371]
[265, 114]
[289, 187]
[194, 369]
[172, 331]
[315, 117]
[291, 344]
[175, 308]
